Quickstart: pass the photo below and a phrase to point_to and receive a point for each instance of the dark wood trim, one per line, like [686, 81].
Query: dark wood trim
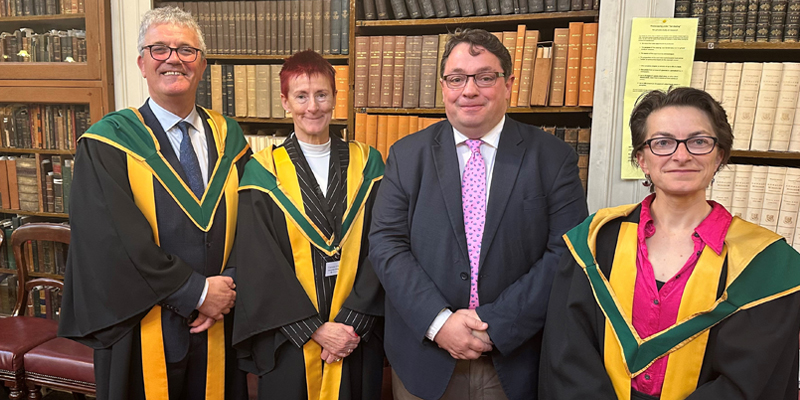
[37, 213]
[410, 23]
[35, 151]
[45, 18]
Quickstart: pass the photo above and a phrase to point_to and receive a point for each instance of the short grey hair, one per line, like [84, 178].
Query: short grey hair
[172, 16]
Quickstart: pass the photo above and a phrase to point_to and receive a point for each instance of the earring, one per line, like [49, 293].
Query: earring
[647, 182]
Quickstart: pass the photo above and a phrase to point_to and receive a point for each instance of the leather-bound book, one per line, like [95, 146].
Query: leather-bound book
[481, 7]
[336, 26]
[563, 5]
[326, 27]
[387, 71]
[528, 56]
[399, 9]
[453, 9]
[382, 9]
[426, 7]
[427, 89]
[361, 82]
[588, 60]
[412, 72]
[413, 9]
[375, 62]
[540, 88]
[558, 80]
[370, 11]
[399, 69]
[467, 8]
[317, 26]
[535, 6]
[440, 8]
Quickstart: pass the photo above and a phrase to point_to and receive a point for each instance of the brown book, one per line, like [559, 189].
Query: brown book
[326, 27]
[375, 70]
[387, 71]
[541, 77]
[571, 137]
[316, 25]
[382, 137]
[13, 186]
[411, 80]
[427, 81]
[280, 25]
[238, 28]
[5, 198]
[372, 130]
[309, 33]
[439, 101]
[250, 34]
[402, 126]
[413, 121]
[361, 128]
[392, 132]
[584, 143]
[516, 57]
[296, 23]
[203, 21]
[399, 69]
[272, 48]
[263, 98]
[216, 87]
[526, 77]
[588, 54]
[342, 91]
[361, 82]
[240, 90]
[573, 77]
[275, 91]
[224, 26]
[557, 81]
[262, 19]
[251, 90]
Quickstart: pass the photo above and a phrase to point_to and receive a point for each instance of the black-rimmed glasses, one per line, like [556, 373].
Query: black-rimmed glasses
[698, 145]
[482, 79]
[161, 52]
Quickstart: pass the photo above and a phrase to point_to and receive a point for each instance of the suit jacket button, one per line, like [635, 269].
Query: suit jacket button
[464, 276]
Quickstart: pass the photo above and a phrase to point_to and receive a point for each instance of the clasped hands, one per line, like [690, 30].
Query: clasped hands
[337, 341]
[464, 335]
[219, 300]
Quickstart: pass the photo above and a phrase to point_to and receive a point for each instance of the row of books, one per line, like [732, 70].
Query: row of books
[44, 302]
[38, 187]
[24, 45]
[42, 126]
[382, 131]
[17, 8]
[402, 9]
[743, 20]
[255, 90]
[762, 101]
[8, 293]
[403, 71]
[262, 141]
[274, 27]
[580, 140]
[764, 195]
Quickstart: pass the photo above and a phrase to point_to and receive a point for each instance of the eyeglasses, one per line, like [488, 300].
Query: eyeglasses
[698, 145]
[482, 79]
[161, 52]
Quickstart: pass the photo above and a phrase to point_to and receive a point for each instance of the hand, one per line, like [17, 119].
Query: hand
[201, 323]
[328, 357]
[482, 335]
[338, 339]
[220, 297]
[456, 337]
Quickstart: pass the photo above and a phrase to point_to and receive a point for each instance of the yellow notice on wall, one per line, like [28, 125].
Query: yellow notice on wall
[661, 55]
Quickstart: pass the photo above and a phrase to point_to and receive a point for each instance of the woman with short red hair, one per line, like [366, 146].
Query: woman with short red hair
[309, 306]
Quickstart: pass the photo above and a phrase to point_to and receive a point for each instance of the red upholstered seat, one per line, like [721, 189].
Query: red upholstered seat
[20, 334]
[62, 358]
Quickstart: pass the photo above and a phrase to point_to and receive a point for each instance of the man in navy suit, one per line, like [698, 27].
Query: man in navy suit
[466, 236]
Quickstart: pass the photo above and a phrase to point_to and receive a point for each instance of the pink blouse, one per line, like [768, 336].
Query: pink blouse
[655, 310]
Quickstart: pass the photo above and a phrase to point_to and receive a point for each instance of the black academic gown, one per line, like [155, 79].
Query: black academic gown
[116, 273]
[270, 296]
[751, 355]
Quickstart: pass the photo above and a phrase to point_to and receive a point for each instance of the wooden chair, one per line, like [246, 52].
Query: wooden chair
[56, 363]
[18, 335]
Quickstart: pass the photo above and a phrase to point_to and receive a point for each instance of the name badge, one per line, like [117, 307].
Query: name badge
[331, 268]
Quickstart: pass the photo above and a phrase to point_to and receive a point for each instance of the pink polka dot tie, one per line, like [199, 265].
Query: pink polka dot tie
[473, 199]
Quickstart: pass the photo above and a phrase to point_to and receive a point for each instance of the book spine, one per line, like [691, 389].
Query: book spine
[336, 27]
[399, 9]
[361, 83]
[467, 9]
[726, 20]
[399, 68]
[711, 33]
[682, 8]
[535, 6]
[387, 72]
[370, 12]
[413, 9]
[426, 7]
[481, 7]
[792, 21]
[699, 12]
[453, 9]
[345, 16]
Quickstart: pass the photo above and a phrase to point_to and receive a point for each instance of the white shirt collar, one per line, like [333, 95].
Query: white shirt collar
[492, 138]
[168, 120]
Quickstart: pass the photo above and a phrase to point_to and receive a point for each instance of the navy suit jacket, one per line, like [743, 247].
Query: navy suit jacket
[419, 250]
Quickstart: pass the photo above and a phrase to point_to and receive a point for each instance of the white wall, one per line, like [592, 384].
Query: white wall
[606, 189]
[129, 86]
[605, 186]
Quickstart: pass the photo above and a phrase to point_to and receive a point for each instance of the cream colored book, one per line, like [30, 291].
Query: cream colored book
[767, 103]
[699, 75]
[722, 188]
[794, 138]
[216, 88]
[786, 107]
[741, 190]
[790, 205]
[746, 105]
[240, 90]
[715, 79]
[758, 183]
[730, 89]
[263, 103]
[251, 91]
[773, 193]
[275, 91]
